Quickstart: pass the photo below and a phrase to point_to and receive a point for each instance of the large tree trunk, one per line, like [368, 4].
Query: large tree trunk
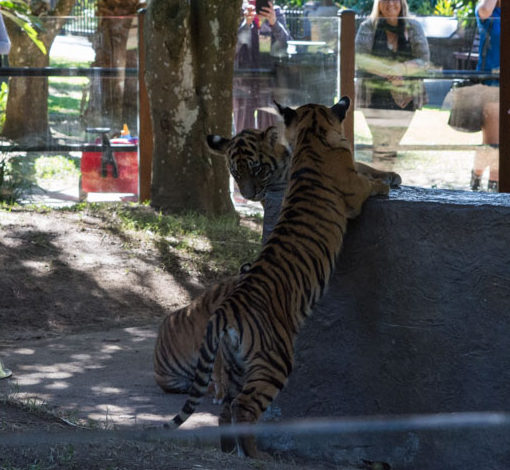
[106, 97]
[189, 50]
[27, 102]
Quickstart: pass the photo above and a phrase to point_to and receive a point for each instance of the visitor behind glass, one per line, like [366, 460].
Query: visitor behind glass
[261, 37]
[390, 49]
[488, 19]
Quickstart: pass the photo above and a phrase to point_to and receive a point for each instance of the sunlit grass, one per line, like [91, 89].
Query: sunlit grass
[189, 244]
[58, 166]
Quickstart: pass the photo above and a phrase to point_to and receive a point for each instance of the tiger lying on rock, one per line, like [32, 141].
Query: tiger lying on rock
[259, 163]
[257, 324]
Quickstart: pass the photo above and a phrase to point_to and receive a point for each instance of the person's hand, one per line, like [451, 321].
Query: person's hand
[249, 14]
[396, 74]
[268, 13]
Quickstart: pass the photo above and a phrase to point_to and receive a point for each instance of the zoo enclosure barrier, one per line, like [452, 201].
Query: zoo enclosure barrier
[335, 67]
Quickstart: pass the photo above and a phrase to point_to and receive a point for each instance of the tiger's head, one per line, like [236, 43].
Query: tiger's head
[256, 160]
[326, 123]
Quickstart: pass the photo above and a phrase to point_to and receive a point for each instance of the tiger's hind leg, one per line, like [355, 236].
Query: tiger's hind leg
[256, 395]
[231, 374]
[389, 177]
[228, 443]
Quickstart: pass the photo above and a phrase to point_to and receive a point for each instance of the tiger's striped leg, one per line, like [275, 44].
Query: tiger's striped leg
[257, 394]
[379, 187]
[228, 444]
[232, 385]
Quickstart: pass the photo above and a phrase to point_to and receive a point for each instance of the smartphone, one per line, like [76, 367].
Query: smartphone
[261, 4]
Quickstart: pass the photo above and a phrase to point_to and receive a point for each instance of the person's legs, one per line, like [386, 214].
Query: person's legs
[488, 155]
[387, 127]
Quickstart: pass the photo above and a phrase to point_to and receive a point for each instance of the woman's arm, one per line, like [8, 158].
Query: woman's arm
[485, 8]
[420, 49]
[364, 59]
[365, 37]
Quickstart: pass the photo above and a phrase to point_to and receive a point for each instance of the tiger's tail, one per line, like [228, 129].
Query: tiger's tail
[207, 355]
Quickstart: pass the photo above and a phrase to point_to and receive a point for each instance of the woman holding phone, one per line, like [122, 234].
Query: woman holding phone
[261, 37]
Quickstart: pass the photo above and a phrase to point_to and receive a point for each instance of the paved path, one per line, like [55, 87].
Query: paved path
[104, 376]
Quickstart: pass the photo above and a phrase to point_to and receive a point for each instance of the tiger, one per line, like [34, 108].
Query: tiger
[180, 335]
[257, 324]
[259, 162]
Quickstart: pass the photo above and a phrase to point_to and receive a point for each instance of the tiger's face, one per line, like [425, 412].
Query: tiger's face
[253, 157]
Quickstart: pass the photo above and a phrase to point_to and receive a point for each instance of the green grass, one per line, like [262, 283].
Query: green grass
[65, 62]
[189, 244]
[58, 166]
[65, 93]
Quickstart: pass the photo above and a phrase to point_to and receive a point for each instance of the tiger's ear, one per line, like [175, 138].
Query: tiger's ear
[288, 114]
[270, 136]
[217, 143]
[340, 108]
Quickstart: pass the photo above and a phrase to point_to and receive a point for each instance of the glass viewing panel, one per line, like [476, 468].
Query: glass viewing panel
[79, 99]
[400, 124]
[403, 112]
[297, 64]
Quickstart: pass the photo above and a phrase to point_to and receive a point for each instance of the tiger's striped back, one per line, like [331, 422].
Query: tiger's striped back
[258, 323]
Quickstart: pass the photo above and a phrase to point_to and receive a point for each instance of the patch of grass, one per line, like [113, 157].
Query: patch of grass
[68, 84]
[66, 92]
[66, 62]
[70, 106]
[189, 244]
[58, 166]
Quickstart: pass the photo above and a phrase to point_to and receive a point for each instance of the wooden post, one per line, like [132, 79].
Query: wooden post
[347, 34]
[504, 102]
[145, 144]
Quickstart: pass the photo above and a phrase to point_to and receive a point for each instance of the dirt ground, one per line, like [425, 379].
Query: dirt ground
[66, 274]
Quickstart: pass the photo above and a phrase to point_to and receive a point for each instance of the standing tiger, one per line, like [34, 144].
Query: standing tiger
[260, 164]
[258, 323]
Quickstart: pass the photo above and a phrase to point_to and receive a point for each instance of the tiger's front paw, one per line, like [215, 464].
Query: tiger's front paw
[393, 179]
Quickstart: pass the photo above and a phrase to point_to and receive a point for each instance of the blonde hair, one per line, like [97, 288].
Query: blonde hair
[376, 13]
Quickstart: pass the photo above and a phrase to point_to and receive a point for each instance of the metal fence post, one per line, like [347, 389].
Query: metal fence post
[347, 33]
[144, 120]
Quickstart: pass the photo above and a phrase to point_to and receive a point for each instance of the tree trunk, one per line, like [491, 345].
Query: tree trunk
[105, 107]
[189, 50]
[27, 102]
